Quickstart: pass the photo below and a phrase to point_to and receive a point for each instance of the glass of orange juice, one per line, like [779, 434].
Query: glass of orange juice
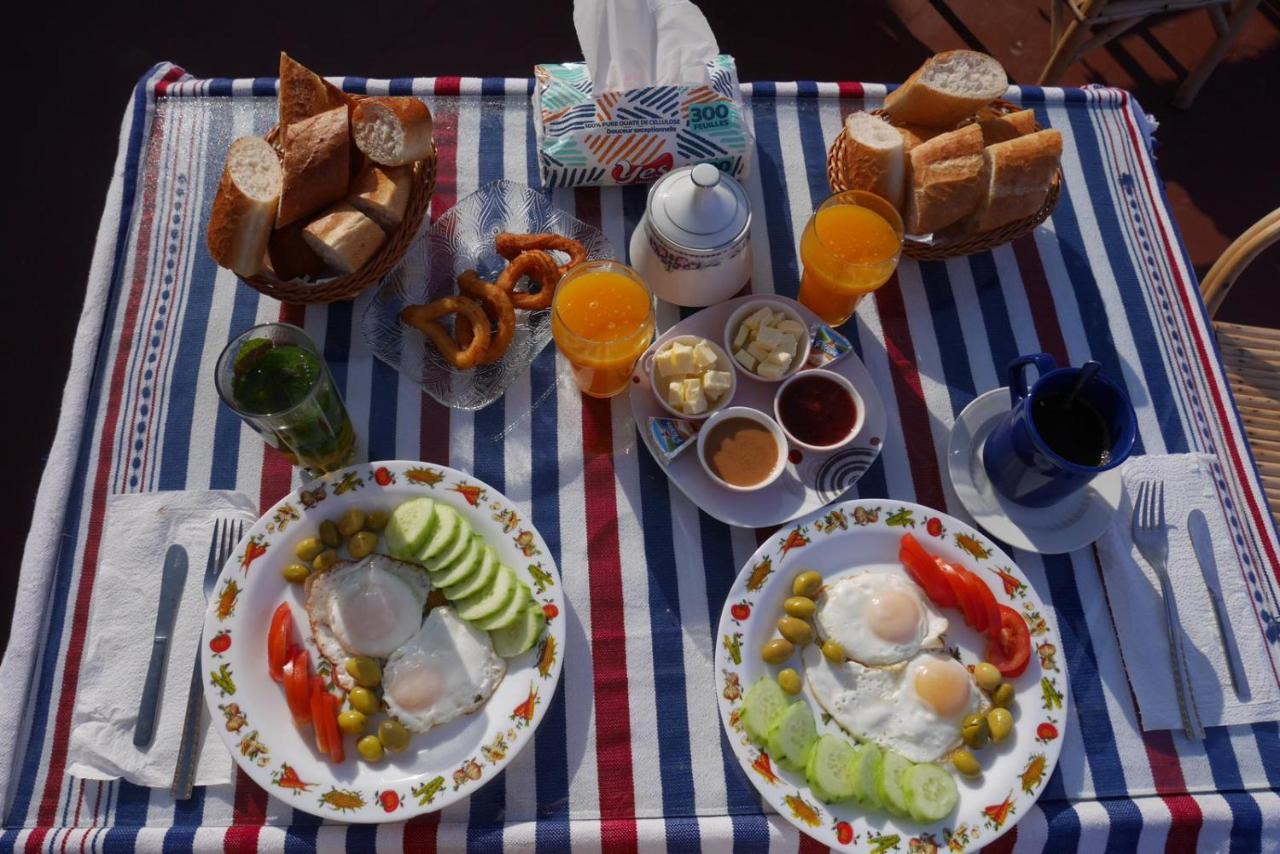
[602, 320]
[849, 248]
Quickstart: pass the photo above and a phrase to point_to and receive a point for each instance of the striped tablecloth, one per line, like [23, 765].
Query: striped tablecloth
[631, 751]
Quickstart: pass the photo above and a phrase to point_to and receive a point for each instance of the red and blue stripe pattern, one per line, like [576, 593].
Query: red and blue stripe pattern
[631, 752]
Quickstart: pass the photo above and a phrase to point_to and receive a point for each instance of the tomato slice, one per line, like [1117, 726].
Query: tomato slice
[923, 569]
[1010, 649]
[297, 687]
[334, 735]
[964, 597]
[988, 600]
[319, 706]
[279, 639]
[980, 618]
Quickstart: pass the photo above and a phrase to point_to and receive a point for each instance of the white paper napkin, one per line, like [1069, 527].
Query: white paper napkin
[1138, 610]
[629, 44]
[122, 618]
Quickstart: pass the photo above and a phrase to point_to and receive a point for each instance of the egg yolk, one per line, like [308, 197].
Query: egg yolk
[417, 685]
[894, 616]
[943, 686]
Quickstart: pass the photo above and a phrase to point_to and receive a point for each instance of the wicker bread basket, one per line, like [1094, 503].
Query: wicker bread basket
[947, 245]
[349, 285]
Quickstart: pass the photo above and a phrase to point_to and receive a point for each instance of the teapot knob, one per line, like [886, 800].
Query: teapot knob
[705, 175]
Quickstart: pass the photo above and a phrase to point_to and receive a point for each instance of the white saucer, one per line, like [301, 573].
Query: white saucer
[1074, 523]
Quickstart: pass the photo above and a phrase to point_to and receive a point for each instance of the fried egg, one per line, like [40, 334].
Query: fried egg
[915, 708]
[878, 618]
[447, 669]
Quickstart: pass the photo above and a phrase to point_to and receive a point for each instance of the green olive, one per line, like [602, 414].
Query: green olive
[325, 560]
[296, 573]
[351, 521]
[1001, 724]
[329, 534]
[789, 680]
[362, 544]
[377, 520]
[364, 670]
[987, 676]
[393, 735]
[364, 700]
[807, 583]
[797, 631]
[799, 606]
[308, 549]
[833, 651]
[370, 748]
[965, 763]
[974, 730]
[351, 722]
[1002, 697]
[777, 651]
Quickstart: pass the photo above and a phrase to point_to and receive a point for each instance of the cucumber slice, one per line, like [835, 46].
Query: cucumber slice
[483, 576]
[486, 602]
[462, 541]
[931, 792]
[889, 783]
[409, 526]
[863, 769]
[520, 635]
[462, 566]
[443, 535]
[763, 702]
[792, 736]
[828, 769]
[509, 614]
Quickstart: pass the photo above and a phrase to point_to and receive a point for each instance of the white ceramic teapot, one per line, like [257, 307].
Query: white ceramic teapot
[693, 246]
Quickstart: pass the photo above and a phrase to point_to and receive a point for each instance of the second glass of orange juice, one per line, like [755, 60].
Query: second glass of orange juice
[602, 320]
[849, 248]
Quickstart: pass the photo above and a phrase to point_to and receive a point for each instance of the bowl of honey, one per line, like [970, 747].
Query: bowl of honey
[742, 449]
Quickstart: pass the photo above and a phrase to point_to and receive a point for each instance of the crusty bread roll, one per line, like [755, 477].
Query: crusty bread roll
[949, 87]
[873, 154]
[382, 193]
[289, 256]
[392, 131]
[1002, 128]
[316, 152]
[946, 180]
[303, 93]
[913, 135]
[245, 207]
[344, 237]
[1017, 175]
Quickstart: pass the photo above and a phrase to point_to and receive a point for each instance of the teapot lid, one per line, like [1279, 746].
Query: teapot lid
[699, 207]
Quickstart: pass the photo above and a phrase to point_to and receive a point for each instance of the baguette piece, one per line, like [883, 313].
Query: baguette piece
[950, 86]
[913, 135]
[345, 238]
[303, 93]
[245, 207]
[1017, 177]
[289, 255]
[946, 180]
[316, 165]
[874, 159]
[382, 193]
[392, 131]
[1003, 128]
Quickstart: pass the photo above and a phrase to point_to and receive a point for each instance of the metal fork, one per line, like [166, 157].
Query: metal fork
[226, 533]
[1151, 536]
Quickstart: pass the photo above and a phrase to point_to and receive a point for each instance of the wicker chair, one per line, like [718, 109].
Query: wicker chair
[1251, 355]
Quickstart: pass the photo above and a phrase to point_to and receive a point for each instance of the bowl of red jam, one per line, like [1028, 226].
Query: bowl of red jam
[818, 410]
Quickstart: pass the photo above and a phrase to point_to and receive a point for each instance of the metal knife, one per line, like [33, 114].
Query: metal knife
[1198, 528]
[172, 581]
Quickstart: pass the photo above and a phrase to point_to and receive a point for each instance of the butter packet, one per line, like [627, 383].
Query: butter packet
[826, 346]
[637, 135]
[672, 435]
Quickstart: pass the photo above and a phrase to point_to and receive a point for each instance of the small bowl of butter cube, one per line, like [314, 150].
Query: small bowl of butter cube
[767, 340]
[692, 377]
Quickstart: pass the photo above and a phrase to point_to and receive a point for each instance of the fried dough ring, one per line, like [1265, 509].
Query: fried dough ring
[510, 246]
[499, 309]
[423, 318]
[540, 267]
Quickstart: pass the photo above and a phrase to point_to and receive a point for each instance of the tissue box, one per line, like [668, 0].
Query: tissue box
[635, 136]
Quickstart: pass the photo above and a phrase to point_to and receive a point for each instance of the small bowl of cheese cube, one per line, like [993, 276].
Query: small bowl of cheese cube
[691, 376]
[768, 340]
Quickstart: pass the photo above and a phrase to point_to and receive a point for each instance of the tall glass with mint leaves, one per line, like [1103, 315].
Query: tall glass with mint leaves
[274, 378]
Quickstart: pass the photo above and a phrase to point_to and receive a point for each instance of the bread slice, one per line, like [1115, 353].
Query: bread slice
[1017, 176]
[316, 153]
[345, 238]
[245, 207]
[382, 193]
[873, 157]
[946, 180]
[1003, 128]
[392, 131]
[950, 86]
[290, 257]
[303, 93]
